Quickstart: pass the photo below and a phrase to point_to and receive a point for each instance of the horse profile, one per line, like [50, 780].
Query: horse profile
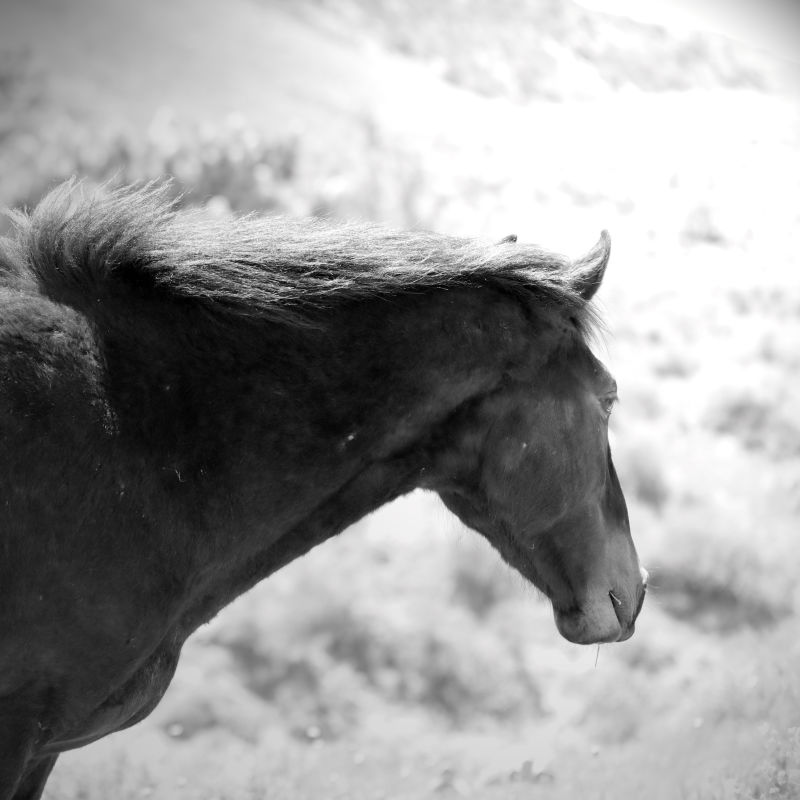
[187, 405]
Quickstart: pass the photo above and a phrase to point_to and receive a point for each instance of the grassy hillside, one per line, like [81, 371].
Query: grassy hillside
[546, 49]
[403, 660]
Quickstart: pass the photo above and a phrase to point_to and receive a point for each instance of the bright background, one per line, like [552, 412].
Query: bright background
[403, 660]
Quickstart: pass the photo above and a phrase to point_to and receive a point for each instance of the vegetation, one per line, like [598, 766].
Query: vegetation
[546, 49]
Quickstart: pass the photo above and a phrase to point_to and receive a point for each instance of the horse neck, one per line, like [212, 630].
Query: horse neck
[269, 441]
[372, 388]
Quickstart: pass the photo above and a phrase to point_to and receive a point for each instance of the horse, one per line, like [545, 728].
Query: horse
[189, 404]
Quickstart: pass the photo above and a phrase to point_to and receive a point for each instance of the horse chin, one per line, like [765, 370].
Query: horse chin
[596, 622]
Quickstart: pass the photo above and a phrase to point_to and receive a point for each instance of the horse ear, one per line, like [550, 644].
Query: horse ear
[588, 271]
[510, 239]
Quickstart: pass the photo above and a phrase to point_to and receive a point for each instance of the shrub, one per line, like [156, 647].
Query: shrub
[246, 171]
[775, 777]
[639, 465]
[778, 774]
[480, 579]
[760, 424]
[700, 227]
[444, 664]
[720, 583]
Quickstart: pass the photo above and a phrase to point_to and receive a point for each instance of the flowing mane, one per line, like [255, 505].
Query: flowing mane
[76, 247]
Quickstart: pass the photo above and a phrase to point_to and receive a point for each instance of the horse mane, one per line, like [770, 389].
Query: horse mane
[82, 248]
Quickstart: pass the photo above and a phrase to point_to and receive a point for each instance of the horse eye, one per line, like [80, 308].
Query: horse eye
[608, 403]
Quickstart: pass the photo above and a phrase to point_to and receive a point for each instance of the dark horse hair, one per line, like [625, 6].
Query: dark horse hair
[82, 249]
[188, 404]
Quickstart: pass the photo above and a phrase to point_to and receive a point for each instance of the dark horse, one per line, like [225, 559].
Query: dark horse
[186, 405]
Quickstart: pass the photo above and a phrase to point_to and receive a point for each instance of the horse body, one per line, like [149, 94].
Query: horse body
[164, 448]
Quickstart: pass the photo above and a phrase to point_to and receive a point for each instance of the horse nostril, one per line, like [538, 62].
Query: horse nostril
[618, 609]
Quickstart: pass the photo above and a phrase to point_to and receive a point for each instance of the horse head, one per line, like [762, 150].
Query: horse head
[532, 471]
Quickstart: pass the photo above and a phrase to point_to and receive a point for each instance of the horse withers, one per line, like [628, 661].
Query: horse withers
[187, 405]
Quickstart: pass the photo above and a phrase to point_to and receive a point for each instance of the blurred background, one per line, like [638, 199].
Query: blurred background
[402, 659]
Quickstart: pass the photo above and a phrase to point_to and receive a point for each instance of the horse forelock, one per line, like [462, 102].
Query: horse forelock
[85, 247]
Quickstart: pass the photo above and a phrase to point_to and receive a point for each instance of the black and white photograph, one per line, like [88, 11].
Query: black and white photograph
[399, 400]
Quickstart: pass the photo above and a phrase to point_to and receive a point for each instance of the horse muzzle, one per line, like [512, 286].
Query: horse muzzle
[603, 617]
